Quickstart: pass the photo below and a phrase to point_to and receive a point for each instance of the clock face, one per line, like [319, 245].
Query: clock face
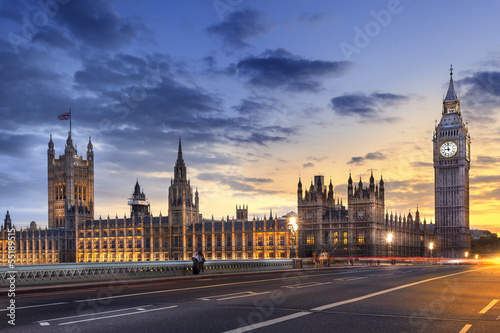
[448, 149]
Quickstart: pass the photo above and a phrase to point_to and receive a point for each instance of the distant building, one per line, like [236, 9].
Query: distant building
[478, 234]
[362, 229]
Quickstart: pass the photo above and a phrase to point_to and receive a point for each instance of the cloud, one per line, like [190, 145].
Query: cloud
[97, 24]
[239, 27]
[317, 19]
[482, 93]
[366, 106]
[281, 69]
[308, 165]
[421, 164]
[237, 183]
[359, 160]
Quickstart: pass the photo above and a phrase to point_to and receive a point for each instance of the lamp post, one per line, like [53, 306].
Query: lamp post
[389, 242]
[431, 247]
[466, 254]
[293, 227]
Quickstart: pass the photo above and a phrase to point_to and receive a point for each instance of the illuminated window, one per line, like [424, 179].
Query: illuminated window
[361, 239]
[270, 241]
[310, 238]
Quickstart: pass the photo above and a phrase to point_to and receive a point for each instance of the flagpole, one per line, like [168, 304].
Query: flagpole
[70, 122]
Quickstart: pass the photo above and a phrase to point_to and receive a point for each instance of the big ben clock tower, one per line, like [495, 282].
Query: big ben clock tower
[451, 179]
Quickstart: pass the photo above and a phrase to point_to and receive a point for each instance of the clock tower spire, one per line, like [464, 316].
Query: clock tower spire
[451, 143]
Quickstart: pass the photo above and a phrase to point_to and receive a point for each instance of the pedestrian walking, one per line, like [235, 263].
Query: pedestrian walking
[196, 268]
[201, 262]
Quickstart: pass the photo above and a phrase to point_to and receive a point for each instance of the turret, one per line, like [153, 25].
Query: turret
[349, 186]
[330, 192]
[372, 183]
[299, 190]
[90, 151]
[50, 151]
[197, 200]
[381, 188]
[7, 222]
[180, 167]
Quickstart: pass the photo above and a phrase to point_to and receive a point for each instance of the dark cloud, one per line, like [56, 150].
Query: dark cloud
[236, 182]
[308, 165]
[13, 9]
[261, 139]
[281, 69]
[97, 24]
[316, 18]
[238, 27]
[359, 160]
[422, 164]
[366, 106]
[482, 93]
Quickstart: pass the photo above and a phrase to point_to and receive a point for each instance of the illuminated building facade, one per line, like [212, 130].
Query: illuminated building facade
[362, 229]
[140, 237]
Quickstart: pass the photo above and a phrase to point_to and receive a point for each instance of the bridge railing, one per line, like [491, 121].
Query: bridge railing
[87, 272]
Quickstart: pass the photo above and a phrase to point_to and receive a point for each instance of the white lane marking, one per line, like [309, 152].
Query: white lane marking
[306, 285]
[352, 279]
[92, 314]
[213, 286]
[269, 322]
[332, 305]
[465, 328]
[233, 295]
[356, 299]
[251, 294]
[36, 306]
[44, 323]
[118, 315]
[294, 277]
[489, 306]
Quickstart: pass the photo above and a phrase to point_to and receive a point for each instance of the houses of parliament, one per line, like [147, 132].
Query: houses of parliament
[363, 228]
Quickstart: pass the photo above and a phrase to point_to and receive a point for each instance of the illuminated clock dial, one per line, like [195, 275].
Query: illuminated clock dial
[448, 149]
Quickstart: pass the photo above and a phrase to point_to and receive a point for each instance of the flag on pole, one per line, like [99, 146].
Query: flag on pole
[65, 116]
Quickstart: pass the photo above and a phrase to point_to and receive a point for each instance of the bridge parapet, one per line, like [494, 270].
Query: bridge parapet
[88, 272]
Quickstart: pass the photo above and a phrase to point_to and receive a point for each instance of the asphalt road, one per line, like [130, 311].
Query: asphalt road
[370, 299]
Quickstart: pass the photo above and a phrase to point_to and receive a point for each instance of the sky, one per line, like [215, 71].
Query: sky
[261, 93]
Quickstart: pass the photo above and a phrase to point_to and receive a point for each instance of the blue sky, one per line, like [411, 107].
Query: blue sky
[260, 91]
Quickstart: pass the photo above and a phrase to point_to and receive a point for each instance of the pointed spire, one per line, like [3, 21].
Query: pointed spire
[179, 154]
[90, 146]
[451, 95]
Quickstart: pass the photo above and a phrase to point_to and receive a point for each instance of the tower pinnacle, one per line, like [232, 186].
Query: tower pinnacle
[451, 103]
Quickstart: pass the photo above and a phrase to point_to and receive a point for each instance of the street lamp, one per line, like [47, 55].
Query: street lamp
[466, 254]
[293, 227]
[431, 247]
[389, 241]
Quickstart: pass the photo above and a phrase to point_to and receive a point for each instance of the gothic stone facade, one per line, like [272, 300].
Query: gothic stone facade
[140, 237]
[359, 231]
[451, 143]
